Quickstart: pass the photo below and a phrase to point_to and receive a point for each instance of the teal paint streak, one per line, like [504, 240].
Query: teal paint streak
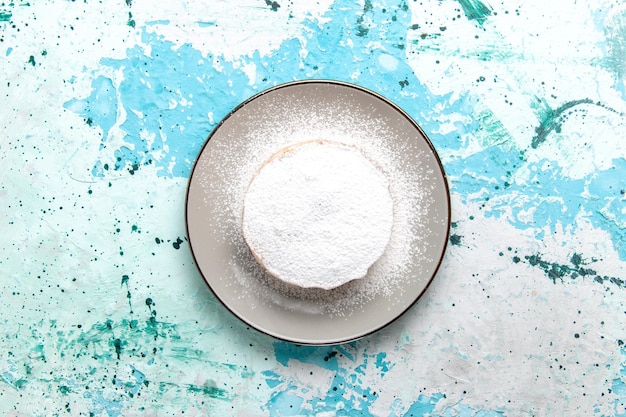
[5, 16]
[131, 22]
[117, 344]
[205, 24]
[363, 26]
[125, 279]
[274, 6]
[577, 269]
[135, 339]
[497, 52]
[139, 382]
[551, 120]
[141, 339]
[475, 10]
[209, 390]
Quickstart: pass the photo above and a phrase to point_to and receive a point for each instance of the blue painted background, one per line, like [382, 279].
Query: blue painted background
[104, 313]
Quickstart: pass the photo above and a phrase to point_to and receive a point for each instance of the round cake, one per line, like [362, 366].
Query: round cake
[318, 214]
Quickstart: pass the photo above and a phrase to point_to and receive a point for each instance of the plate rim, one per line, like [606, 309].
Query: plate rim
[440, 171]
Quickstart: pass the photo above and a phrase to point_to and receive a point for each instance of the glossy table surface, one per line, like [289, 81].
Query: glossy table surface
[106, 105]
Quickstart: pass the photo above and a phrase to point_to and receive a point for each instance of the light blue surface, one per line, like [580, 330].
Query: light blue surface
[104, 313]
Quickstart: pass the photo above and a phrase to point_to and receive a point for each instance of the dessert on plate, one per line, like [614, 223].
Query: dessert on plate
[318, 214]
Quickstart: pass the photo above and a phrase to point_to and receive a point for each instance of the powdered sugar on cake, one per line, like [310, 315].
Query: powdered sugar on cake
[318, 214]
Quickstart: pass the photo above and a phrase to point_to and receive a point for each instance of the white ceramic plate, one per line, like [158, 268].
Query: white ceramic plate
[292, 113]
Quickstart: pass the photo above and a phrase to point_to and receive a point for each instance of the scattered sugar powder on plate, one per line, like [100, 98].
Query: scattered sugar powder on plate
[245, 149]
